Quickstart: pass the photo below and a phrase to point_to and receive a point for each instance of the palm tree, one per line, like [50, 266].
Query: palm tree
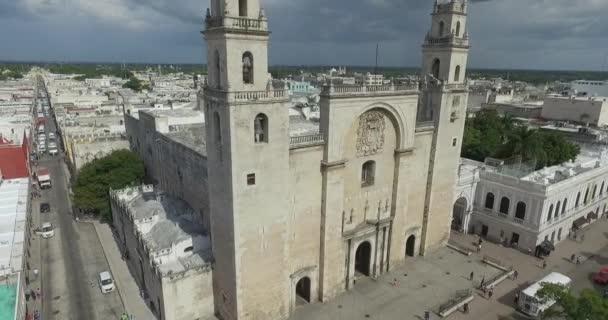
[525, 143]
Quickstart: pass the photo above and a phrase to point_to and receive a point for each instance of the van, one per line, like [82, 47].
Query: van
[47, 230]
[530, 304]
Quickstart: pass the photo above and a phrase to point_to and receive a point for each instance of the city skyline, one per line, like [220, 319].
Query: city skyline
[540, 35]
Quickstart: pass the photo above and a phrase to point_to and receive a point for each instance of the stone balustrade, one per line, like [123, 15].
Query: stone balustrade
[447, 40]
[364, 90]
[237, 23]
[247, 96]
[307, 140]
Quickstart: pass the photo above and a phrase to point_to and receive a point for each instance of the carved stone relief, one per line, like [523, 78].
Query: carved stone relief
[370, 135]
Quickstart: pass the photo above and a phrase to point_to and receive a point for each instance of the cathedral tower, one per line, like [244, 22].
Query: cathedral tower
[443, 101]
[247, 151]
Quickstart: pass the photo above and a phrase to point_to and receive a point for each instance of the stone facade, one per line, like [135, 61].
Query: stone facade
[550, 204]
[166, 250]
[591, 110]
[296, 219]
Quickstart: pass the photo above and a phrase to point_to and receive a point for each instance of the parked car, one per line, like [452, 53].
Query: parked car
[47, 230]
[106, 283]
[601, 277]
[45, 207]
[51, 135]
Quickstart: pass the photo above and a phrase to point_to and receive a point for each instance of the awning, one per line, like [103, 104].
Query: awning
[578, 223]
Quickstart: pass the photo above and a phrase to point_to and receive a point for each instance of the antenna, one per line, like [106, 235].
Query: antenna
[376, 66]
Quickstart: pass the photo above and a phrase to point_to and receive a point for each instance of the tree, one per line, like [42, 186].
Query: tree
[119, 169]
[589, 305]
[490, 135]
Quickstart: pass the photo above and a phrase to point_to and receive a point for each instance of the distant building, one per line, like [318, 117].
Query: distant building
[369, 79]
[522, 208]
[516, 109]
[588, 110]
[590, 88]
[14, 158]
[167, 250]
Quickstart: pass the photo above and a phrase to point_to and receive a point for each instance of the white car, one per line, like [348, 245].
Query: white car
[47, 230]
[41, 148]
[53, 151]
[106, 283]
[51, 135]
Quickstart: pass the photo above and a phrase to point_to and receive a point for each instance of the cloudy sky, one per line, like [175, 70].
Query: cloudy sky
[539, 34]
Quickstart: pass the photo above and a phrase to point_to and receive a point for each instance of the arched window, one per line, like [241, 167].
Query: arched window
[247, 68]
[457, 74]
[367, 173]
[260, 125]
[218, 72]
[564, 205]
[458, 29]
[504, 205]
[602, 188]
[441, 28]
[578, 199]
[550, 215]
[520, 210]
[557, 209]
[490, 200]
[594, 191]
[435, 68]
[218, 128]
[243, 8]
[586, 196]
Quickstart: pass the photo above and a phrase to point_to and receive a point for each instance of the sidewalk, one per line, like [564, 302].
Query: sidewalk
[127, 287]
[33, 261]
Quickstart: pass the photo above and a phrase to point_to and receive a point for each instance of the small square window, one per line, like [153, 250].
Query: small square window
[251, 179]
[454, 142]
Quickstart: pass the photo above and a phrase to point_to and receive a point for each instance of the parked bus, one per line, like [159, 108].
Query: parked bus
[530, 304]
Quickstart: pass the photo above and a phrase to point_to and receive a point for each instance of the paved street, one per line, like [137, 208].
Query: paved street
[72, 259]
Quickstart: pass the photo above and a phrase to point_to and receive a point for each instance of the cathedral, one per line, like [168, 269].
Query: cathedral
[297, 214]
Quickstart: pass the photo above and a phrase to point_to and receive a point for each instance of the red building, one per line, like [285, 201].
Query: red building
[14, 158]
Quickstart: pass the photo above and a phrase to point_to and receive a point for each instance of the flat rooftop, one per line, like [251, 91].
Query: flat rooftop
[192, 137]
[589, 159]
[163, 221]
[13, 218]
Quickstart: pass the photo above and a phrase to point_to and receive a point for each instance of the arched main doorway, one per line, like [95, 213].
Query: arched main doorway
[410, 246]
[303, 291]
[459, 214]
[363, 258]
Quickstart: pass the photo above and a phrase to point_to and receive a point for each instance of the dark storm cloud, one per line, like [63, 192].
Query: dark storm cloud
[506, 33]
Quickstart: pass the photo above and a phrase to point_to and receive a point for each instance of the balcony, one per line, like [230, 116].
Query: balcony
[450, 40]
[237, 23]
[306, 141]
[363, 90]
[244, 97]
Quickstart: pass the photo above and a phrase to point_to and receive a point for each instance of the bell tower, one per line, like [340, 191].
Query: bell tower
[443, 101]
[247, 143]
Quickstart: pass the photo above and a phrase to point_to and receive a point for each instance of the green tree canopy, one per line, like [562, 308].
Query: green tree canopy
[588, 305]
[120, 169]
[490, 135]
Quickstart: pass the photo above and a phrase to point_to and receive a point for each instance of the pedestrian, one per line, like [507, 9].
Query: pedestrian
[471, 275]
[515, 274]
[483, 281]
[466, 308]
[578, 259]
[491, 292]
[479, 248]
[516, 297]
[38, 293]
[427, 315]
[394, 282]
[480, 241]
[572, 257]
[33, 294]
[544, 264]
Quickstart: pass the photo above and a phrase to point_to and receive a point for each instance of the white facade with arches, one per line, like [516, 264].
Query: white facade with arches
[549, 204]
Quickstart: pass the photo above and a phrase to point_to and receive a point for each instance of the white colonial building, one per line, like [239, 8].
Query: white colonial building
[523, 209]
